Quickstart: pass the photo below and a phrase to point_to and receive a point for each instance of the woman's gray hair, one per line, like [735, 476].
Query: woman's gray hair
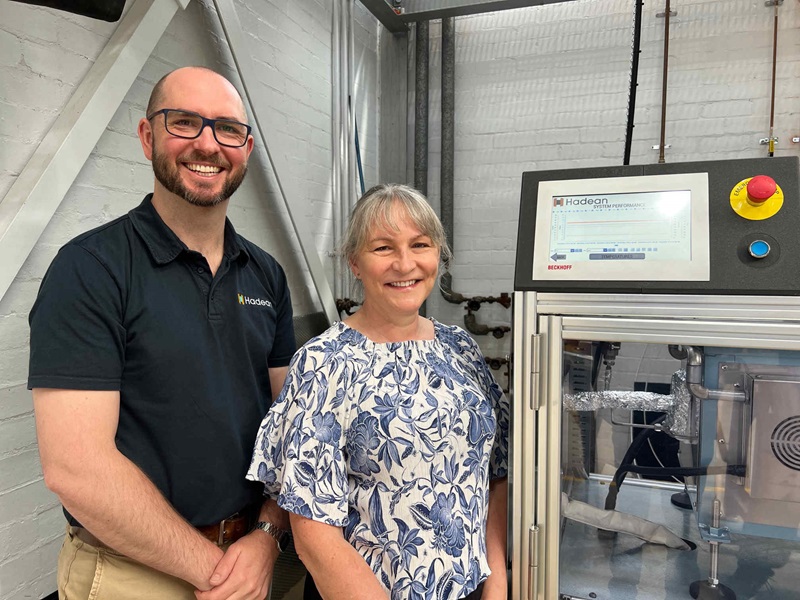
[374, 209]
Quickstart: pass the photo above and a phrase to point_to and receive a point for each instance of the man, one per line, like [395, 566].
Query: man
[158, 342]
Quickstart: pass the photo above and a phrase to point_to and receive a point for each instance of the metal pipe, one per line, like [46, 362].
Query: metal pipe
[694, 379]
[448, 162]
[343, 133]
[471, 324]
[713, 578]
[421, 109]
[351, 104]
[336, 125]
[635, 51]
[448, 127]
[662, 144]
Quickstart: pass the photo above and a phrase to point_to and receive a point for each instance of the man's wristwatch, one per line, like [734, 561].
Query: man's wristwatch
[281, 536]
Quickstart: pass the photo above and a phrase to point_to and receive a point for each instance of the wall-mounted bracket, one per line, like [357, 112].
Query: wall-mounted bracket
[427, 10]
[387, 15]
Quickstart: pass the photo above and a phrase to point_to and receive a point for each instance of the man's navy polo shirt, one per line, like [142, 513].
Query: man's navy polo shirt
[129, 307]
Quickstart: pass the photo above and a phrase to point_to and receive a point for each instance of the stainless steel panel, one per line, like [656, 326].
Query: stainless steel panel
[774, 463]
[769, 497]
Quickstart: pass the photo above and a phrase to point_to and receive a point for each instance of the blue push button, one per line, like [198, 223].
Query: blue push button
[759, 249]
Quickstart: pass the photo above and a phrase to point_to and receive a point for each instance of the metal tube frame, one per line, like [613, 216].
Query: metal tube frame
[536, 424]
[42, 184]
[232, 28]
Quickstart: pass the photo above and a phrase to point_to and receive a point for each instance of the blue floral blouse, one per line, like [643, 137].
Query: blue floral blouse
[396, 443]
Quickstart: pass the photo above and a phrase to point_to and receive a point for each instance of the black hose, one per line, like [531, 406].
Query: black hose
[637, 38]
[627, 461]
[735, 470]
[358, 160]
[677, 352]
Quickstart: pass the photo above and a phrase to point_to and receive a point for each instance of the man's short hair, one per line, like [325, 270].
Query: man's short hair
[157, 95]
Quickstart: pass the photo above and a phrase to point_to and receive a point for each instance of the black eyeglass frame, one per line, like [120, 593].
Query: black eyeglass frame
[206, 123]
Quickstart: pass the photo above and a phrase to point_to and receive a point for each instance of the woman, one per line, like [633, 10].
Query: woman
[388, 444]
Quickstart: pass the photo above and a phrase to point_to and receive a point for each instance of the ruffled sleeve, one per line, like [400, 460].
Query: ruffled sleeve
[298, 454]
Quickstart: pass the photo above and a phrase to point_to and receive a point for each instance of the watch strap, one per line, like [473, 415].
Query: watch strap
[281, 536]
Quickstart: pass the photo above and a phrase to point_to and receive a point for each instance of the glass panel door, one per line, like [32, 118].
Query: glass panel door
[677, 469]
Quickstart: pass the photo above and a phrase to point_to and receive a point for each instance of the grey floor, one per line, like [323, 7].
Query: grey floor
[289, 576]
[625, 568]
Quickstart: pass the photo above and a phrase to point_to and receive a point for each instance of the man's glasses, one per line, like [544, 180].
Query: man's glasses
[189, 125]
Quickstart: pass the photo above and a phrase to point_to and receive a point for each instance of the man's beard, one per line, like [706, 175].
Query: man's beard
[167, 174]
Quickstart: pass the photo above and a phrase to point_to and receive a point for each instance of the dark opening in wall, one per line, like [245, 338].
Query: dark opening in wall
[105, 10]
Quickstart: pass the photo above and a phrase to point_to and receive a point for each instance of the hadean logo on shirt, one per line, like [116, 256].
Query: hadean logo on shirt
[244, 300]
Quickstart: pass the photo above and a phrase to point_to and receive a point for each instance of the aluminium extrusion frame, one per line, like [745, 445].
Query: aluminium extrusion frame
[42, 184]
[542, 322]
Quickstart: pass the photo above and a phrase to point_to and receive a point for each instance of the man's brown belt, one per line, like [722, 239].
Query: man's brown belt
[226, 531]
[229, 530]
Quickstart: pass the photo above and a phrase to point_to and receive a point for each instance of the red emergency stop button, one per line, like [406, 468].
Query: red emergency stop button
[761, 188]
[757, 198]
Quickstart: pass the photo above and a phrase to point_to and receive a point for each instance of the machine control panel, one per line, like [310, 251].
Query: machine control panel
[724, 227]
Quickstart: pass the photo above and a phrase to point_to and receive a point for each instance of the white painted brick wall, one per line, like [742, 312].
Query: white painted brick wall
[44, 54]
[547, 88]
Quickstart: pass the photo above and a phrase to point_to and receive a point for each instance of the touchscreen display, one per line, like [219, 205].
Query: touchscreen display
[639, 226]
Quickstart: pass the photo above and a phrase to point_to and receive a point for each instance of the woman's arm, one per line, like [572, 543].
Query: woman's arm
[338, 570]
[496, 586]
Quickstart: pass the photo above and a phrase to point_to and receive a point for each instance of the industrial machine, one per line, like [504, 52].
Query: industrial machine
[656, 414]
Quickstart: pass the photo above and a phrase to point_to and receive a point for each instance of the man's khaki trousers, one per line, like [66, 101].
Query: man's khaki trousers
[87, 572]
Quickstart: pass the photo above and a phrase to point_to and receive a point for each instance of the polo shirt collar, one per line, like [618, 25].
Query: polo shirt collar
[162, 243]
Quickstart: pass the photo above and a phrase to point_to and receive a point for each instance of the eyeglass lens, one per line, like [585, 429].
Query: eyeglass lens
[188, 125]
